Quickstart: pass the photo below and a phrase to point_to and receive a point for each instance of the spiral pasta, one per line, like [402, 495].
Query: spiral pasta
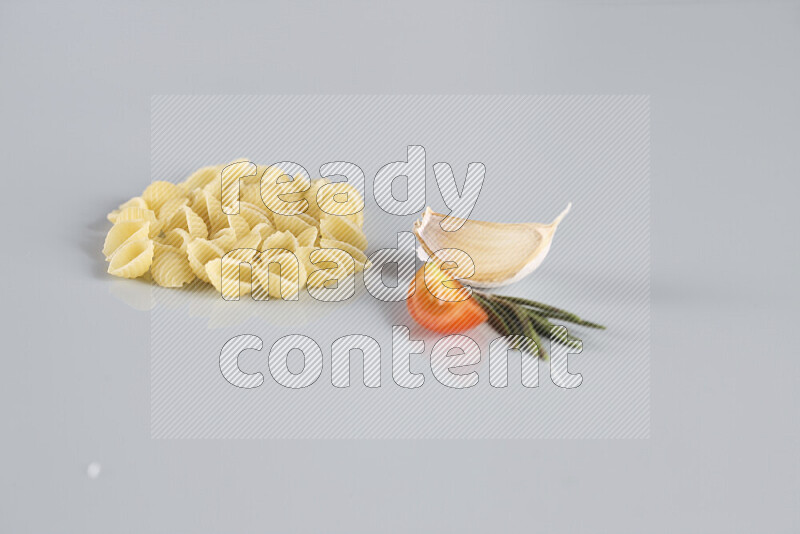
[312, 234]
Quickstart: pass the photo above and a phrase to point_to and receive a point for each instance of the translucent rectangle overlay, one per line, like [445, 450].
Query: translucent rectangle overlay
[539, 153]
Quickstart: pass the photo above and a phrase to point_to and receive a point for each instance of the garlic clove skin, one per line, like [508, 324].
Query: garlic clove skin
[503, 253]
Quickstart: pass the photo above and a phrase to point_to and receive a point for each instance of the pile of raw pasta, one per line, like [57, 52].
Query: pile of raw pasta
[179, 233]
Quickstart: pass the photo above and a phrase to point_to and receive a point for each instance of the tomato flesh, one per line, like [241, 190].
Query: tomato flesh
[439, 315]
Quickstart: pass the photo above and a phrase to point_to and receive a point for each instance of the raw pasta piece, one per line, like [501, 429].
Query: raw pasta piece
[283, 194]
[169, 208]
[225, 239]
[210, 210]
[199, 252]
[343, 200]
[132, 259]
[342, 229]
[140, 215]
[231, 275]
[214, 189]
[201, 177]
[135, 202]
[355, 218]
[179, 231]
[308, 219]
[170, 267]
[233, 177]
[251, 193]
[135, 214]
[253, 180]
[291, 223]
[252, 240]
[285, 283]
[264, 229]
[308, 237]
[280, 240]
[177, 237]
[238, 224]
[185, 219]
[253, 215]
[304, 257]
[123, 232]
[311, 197]
[159, 193]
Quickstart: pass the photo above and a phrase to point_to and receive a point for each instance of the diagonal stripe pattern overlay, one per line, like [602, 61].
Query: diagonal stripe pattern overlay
[539, 153]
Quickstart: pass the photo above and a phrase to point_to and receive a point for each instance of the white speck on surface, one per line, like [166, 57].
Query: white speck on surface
[93, 470]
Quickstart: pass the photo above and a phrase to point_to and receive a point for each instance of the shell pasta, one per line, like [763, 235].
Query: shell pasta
[269, 241]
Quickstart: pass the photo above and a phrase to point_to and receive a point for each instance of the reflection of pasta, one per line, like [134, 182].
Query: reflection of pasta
[179, 233]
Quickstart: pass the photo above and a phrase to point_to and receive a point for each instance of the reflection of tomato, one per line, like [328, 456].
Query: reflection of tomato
[439, 315]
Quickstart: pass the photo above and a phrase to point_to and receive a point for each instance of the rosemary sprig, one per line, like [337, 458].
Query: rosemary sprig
[546, 310]
[518, 316]
[522, 324]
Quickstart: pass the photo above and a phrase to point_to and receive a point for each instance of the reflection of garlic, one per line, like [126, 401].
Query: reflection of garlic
[502, 253]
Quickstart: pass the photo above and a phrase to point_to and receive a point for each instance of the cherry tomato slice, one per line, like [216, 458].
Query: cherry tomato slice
[439, 315]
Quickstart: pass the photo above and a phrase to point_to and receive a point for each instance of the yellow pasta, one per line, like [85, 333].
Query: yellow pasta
[281, 240]
[252, 240]
[225, 239]
[343, 200]
[132, 259]
[308, 237]
[231, 178]
[200, 252]
[231, 275]
[214, 189]
[170, 266]
[135, 202]
[251, 193]
[264, 230]
[311, 197]
[177, 237]
[209, 209]
[253, 215]
[238, 224]
[171, 206]
[284, 282]
[133, 214]
[270, 248]
[185, 219]
[292, 223]
[123, 232]
[158, 194]
[283, 194]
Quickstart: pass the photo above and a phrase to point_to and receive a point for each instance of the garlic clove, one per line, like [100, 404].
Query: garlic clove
[503, 253]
